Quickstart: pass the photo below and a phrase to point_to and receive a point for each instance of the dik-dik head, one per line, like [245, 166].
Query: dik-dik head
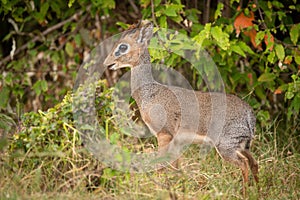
[128, 50]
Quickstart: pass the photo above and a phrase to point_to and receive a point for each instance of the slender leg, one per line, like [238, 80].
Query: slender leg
[164, 140]
[252, 163]
[243, 164]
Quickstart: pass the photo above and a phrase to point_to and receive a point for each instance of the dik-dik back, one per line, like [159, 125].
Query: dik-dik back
[179, 116]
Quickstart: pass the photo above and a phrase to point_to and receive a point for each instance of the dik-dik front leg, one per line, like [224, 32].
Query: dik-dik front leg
[164, 139]
[173, 145]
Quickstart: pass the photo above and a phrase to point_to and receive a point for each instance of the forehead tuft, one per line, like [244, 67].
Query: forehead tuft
[130, 33]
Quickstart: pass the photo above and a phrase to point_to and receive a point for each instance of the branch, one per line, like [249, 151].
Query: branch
[153, 14]
[260, 15]
[76, 16]
[135, 8]
[206, 12]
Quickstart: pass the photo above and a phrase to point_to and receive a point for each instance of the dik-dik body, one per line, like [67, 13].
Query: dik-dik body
[169, 112]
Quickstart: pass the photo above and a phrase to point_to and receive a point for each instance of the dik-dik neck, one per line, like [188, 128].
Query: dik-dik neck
[142, 81]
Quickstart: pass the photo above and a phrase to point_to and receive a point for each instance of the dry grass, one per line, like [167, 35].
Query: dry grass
[198, 178]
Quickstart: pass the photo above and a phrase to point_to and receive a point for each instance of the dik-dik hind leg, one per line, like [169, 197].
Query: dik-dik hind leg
[247, 159]
[236, 157]
[252, 163]
[243, 164]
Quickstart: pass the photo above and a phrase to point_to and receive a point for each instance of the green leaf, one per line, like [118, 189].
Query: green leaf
[177, 19]
[56, 7]
[204, 34]
[266, 77]
[292, 7]
[245, 47]
[170, 11]
[7, 37]
[271, 57]
[123, 25]
[69, 49]
[219, 9]
[71, 3]
[44, 85]
[111, 4]
[237, 49]
[77, 40]
[163, 21]
[40, 86]
[277, 4]
[192, 15]
[221, 37]
[260, 92]
[289, 95]
[44, 9]
[294, 33]
[259, 37]
[279, 51]
[263, 115]
[156, 2]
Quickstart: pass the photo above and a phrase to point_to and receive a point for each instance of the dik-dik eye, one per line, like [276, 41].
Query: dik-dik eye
[123, 48]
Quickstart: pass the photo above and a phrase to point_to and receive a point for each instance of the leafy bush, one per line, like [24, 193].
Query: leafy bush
[49, 144]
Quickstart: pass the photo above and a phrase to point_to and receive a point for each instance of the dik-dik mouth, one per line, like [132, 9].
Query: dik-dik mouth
[112, 66]
[115, 66]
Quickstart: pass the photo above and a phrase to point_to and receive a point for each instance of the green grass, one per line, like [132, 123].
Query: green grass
[74, 174]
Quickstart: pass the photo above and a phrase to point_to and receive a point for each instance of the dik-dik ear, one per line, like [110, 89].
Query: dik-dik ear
[145, 34]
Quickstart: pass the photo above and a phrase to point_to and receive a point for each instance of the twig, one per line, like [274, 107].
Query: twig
[260, 15]
[206, 12]
[135, 8]
[153, 14]
[44, 33]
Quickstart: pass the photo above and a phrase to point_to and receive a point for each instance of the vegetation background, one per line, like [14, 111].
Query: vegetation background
[255, 45]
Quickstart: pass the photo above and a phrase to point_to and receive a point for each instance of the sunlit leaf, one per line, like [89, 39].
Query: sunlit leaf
[221, 37]
[170, 11]
[297, 59]
[266, 77]
[218, 12]
[279, 51]
[271, 57]
[294, 33]
[69, 49]
[237, 49]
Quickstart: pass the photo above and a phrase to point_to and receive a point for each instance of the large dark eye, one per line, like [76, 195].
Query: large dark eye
[123, 48]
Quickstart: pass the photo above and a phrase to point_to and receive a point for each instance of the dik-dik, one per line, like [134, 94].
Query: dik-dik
[169, 111]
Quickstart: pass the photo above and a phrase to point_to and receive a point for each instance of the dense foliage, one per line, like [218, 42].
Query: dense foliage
[255, 45]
